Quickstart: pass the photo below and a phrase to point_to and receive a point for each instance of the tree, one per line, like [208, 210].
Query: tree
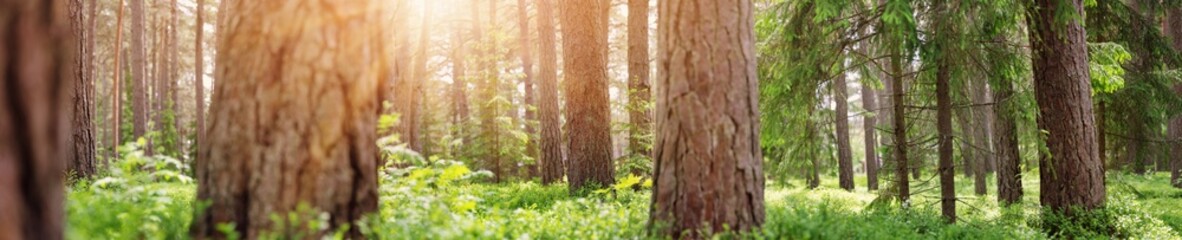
[117, 72]
[36, 57]
[1005, 135]
[527, 81]
[1174, 31]
[944, 113]
[459, 86]
[587, 107]
[407, 89]
[551, 134]
[708, 160]
[869, 121]
[139, 70]
[639, 95]
[80, 159]
[293, 119]
[1072, 176]
[845, 162]
[199, 74]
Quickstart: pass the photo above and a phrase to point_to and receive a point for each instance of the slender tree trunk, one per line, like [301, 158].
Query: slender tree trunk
[1173, 29]
[403, 87]
[37, 71]
[639, 94]
[869, 121]
[1075, 178]
[944, 127]
[116, 90]
[588, 110]
[551, 134]
[1005, 140]
[708, 160]
[979, 144]
[174, 79]
[80, 160]
[845, 162]
[900, 134]
[412, 118]
[459, 86]
[139, 100]
[199, 75]
[259, 161]
[527, 82]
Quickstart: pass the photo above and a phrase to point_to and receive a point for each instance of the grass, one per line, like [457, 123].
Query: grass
[444, 203]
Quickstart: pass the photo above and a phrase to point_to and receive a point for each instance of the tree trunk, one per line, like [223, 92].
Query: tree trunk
[293, 118]
[1005, 142]
[116, 90]
[139, 100]
[869, 120]
[1075, 177]
[588, 112]
[979, 143]
[527, 82]
[845, 162]
[174, 73]
[944, 127]
[707, 151]
[901, 169]
[199, 75]
[404, 87]
[80, 160]
[639, 94]
[551, 134]
[37, 72]
[1174, 31]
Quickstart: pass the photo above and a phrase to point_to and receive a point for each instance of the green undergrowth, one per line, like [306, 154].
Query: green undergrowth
[446, 200]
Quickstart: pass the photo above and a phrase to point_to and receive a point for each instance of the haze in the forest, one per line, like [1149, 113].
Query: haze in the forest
[590, 119]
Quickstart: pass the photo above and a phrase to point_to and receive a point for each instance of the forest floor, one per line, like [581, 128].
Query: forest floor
[442, 203]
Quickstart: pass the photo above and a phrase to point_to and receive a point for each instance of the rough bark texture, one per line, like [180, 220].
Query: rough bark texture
[845, 161]
[527, 82]
[293, 118]
[199, 75]
[869, 121]
[707, 151]
[587, 107]
[36, 72]
[944, 129]
[639, 94]
[551, 134]
[139, 62]
[1173, 29]
[1073, 175]
[80, 160]
[900, 130]
[1005, 142]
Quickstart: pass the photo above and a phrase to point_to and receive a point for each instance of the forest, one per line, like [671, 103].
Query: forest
[590, 119]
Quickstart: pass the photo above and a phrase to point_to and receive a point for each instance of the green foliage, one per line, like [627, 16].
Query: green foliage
[1106, 64]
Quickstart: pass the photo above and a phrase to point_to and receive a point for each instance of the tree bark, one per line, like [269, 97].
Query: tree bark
[37, 72]
[527, 82]
[639, 94]
[588, 112]
[116, 90]
[1075, 175]
[707, 151]
[551, 134]
[900, 130]
[293, 118]
[80, 160]
[979, 143]
[139, 100]
[944, 127]
[199, 75]
[845, 162]
[869, 121]
[1005, 140]
[1173, 29]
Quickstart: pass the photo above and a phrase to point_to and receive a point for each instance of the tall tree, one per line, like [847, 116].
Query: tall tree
[588, 112]
[708, 161]
[1074, 179]
[870, 133]
[639, 94]
[139, 92]
[459, 86]
[1173, 29]
[117, 73]
[550, 140]
[199, 74]
[1005, 138]
[944, 113]
[845, 161]
[977, 145]
[527, 81]
[80, 159]
[413, 115]
[35, 123]
[261, 158]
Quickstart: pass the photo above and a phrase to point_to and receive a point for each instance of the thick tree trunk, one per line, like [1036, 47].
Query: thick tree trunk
[37, 72]
[845, 161]
[588, 112]
[1075, 177]
[80, 160]
[551, 134]
[1005, 142]
[1174, 31]
[139, 92]
[639, 94]
[869, 121]
[944, 127]
[293, 118]
[708, 159]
